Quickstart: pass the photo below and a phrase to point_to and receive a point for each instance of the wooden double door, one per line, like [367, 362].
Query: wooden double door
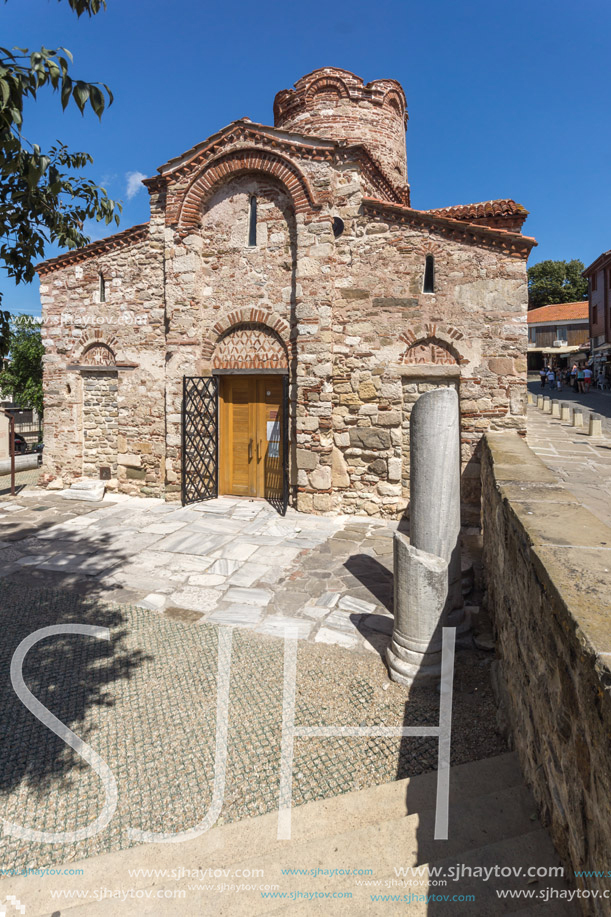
[251, 441]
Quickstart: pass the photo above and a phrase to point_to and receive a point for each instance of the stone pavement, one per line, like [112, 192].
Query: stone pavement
[225, 561]
[582, 462]
[595, 400]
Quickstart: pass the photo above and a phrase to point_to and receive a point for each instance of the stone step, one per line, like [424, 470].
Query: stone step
[405, 841]
[532, 849]
[475, 825]
[488, 804]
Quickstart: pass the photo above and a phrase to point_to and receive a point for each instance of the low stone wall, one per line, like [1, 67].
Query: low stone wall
[547, 563]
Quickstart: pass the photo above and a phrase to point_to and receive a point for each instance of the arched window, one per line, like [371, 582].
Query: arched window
[102, 289]
[252, 222]
[429, 275]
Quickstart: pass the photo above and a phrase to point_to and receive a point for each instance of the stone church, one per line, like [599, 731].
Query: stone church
[268, 330]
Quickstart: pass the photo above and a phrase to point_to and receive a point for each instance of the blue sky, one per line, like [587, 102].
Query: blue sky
[505, 99]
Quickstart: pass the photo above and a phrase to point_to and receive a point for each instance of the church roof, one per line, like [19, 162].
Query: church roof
[118, 240]
[482, 210]
[512, 243]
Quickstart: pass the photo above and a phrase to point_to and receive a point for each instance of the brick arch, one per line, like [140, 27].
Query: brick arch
[392, 99]
[95, 339]
[326, 84]
[432, 345]
[248, 316]
[429, 247]
[250, 346]
[235, 162]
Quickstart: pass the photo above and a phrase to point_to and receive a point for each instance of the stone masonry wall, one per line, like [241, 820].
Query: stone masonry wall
[130, 323]
[391, 341]
[100, 423]
[547, 583]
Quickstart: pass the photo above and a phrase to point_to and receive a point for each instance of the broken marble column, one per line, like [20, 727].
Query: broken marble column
[435, 481]
[428, 594]
[421, 592]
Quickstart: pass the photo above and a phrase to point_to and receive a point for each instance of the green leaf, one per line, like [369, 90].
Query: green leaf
[80, 94]
[96, 97]
[66, 91]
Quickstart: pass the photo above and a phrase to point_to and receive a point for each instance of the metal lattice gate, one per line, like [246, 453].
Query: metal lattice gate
[200, 451]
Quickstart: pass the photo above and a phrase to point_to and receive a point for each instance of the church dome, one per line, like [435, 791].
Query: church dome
[337, 105]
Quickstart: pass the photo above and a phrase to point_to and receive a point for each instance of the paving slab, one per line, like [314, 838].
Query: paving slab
[248, 596]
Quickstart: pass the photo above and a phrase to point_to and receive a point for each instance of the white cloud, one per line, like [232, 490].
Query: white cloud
[134, 183]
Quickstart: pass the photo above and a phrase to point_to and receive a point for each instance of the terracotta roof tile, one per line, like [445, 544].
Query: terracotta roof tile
[481, 211]
[559, 312]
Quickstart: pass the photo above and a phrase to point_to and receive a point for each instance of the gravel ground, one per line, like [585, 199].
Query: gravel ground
[146, 702]
[23, 479]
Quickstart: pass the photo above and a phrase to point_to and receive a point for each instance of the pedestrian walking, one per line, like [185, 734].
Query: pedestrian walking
[587, 379]
[574, 376]
[543, 375]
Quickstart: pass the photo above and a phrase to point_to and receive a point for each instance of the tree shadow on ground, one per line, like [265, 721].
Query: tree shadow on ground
[69, 674]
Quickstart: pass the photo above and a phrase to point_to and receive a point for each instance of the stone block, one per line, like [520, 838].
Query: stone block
[367, 391]
[320, 478]
[306, 459]
[136, 474]
[388, 418]
[394, 469]
[502, 366]
[322, 503]
[395, 302]
[339, 469]
[369, 438]
[130, 460]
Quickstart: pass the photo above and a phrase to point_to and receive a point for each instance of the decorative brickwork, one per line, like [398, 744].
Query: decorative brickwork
[98, 355]
[249, 160]
[429, 351]
[250, 347]
[336, 103]
[431, 346]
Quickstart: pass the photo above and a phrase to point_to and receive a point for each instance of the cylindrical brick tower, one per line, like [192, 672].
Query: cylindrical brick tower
[337, 105]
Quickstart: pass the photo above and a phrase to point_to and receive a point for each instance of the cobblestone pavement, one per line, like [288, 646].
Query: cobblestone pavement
[226, 561]
[582, 462]
[146, 703]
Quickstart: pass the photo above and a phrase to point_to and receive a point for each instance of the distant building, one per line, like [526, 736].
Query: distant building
[557, 334]
[599, 289]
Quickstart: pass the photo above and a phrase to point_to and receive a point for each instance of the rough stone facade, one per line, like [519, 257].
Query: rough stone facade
[331, 293]
[547, 584]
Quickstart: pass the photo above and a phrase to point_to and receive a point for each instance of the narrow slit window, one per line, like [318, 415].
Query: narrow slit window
[429, 275]
[252, 222]
[102, 289]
